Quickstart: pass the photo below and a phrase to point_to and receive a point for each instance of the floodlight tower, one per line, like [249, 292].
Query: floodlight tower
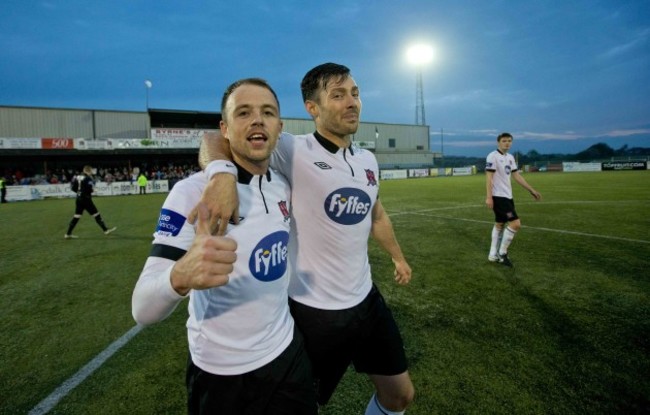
[419, 56]
[147, 86]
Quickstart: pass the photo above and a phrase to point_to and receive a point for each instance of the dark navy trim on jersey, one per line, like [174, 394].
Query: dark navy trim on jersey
[327, 144]
[245, 177]
[333, 148]
[167, 252]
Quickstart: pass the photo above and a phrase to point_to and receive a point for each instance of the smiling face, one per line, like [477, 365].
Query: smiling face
[251, 122]
[337, 108]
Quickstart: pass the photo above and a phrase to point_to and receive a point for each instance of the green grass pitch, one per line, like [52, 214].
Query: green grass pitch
[567, 331]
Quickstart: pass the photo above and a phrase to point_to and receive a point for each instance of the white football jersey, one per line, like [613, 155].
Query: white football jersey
[503, 165]
[245, 324]
[334, 190]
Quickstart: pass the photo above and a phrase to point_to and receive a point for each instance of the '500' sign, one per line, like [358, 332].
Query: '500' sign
[57, 143]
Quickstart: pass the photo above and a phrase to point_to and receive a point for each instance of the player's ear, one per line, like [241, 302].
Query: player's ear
[223, 126]
[312, 108]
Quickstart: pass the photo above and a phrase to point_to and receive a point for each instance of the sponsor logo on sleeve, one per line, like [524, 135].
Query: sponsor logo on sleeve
[169, 223]
[347, 206]
[268, 261]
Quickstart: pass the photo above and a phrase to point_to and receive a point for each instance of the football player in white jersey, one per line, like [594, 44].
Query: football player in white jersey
[499, 167]
[246, 356]
[335, 208]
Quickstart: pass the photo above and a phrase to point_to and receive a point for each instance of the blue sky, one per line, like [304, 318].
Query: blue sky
[559, 75]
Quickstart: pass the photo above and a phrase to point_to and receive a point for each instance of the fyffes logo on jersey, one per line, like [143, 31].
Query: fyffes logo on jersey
[347, 206]
[268, 262]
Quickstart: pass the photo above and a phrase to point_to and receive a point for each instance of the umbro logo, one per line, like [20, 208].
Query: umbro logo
[323, 165]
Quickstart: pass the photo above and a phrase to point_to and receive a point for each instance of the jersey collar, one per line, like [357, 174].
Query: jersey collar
[328, 145]
[245, 177]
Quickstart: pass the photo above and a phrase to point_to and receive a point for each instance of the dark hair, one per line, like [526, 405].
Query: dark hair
[319, 77]
[246, 81]
[503, 135]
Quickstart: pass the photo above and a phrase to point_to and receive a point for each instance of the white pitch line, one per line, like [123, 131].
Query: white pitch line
[594, 235]
[59, 393]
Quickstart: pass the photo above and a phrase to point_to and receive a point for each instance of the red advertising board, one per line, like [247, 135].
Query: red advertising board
[57, 143]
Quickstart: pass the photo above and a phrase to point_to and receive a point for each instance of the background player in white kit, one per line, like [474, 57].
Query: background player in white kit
[499, 167]
[335, 209]
[246, 357]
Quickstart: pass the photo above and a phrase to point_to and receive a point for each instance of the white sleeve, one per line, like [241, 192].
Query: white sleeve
[282, 156]
[490, 162]
[154, 299]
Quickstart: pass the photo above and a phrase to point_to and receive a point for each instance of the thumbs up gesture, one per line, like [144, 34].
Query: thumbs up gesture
[208, 261]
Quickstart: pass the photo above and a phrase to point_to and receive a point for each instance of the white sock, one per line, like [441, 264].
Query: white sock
[375, 408]
[508, 235]
[497, 234]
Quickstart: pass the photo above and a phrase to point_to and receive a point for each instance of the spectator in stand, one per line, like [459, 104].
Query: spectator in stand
[3, 190]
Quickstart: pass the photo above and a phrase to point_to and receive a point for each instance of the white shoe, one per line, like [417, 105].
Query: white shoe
[107, 231]
[493, 258]
[66, 236]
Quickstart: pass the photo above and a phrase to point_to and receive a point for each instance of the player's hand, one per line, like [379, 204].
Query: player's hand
[536, 195]
[208, 261]
[489, 202]
[402, 272]
[221, 198]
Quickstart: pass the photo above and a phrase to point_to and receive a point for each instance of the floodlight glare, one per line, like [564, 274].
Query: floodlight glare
[419, 54]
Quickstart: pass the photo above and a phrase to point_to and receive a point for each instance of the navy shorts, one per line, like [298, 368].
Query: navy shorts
[85, 203]
[504, 209]
[282, 387]
[365, 335]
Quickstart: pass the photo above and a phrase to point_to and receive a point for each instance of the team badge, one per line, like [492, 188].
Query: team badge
[370, 175]
[283, 208]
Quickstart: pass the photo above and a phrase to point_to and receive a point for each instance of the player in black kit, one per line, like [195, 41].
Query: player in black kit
[83, 185]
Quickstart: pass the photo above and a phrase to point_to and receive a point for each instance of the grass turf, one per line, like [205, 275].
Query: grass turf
[565, 331]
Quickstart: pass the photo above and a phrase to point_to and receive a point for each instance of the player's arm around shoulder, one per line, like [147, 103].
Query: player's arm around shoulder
[382, 231]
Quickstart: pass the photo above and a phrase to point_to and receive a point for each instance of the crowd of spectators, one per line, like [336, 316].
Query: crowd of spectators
[169, 171]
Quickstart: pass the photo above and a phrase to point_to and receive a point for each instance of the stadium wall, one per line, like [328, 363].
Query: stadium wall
[406, 146]
[62, 190]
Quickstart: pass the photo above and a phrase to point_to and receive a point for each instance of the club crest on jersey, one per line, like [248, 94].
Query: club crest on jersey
[347, 206]
[283, 208]
[370, 175]
[169, 223]
[268, 261]
[508, 169]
